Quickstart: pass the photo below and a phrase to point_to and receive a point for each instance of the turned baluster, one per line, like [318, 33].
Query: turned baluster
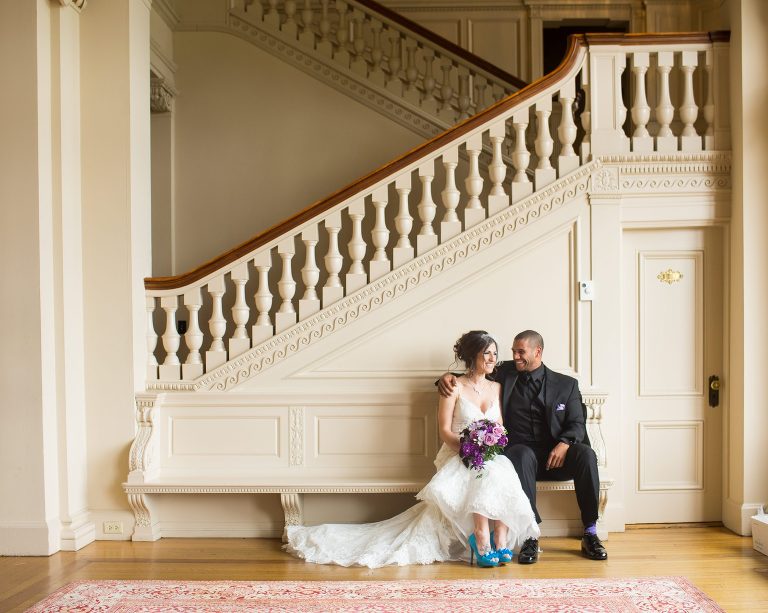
[193, 365]
[641, 112]
[342, 35]
[272, 18]
[380, 264]
[709, 105]
[170, 369]
[429, 102]
[481, 85]
[216, 354]
[463, 99]
[324, 45]
[411, 73]
[474, 212]
[151, 336]
[426, 239]
[497, 171]
[403, 251]
[450, 226]
[358, 65]
[394, 83]
[377, 54]
[286, 286]
[689, 140]
[665, 140]
[254, 9]
[262, 329]
[544, 173]
[333, 290]
[290, 28]
[586, 116]
[310, 274]
[356, 277]
[307, 36]
[521, 157]
[239, 341]
[446, 111]
[567, 160]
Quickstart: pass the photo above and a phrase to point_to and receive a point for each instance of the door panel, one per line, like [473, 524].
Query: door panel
[673, 323]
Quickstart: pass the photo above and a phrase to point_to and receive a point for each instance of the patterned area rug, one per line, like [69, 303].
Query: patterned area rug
[669, 594]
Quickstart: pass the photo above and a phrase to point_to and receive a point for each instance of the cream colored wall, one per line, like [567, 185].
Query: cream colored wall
[257, 141]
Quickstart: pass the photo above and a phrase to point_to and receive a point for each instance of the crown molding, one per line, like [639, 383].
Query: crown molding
[167, 12]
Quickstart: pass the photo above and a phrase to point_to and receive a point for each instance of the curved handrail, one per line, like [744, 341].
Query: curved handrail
[576, 44]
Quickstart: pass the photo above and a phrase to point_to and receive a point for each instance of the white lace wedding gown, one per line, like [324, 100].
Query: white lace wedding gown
[435, 529]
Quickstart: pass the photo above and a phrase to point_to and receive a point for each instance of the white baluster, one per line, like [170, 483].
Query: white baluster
[358, 65]
[217, 354]
[403, 251]
[411, 94]
[497, 171]
[567, 160]
[333, 290]
[521, 157]
[709, 105]
[193, 365]
[586, 116]
[151, 340]
[481, 86]
[341, 55]
[307, 36]
[450, 226]
[324, 45]
[544, 173]
[170, 369]
[290, 28]
[377, 54]
[689, 140]
[356, 277]
[310, 274]
[254, 9]
[272, 18]
[446, 111]
[474, 212]
[641, 112]
[426, 239]
[394, 83]
[463, 99]
[379, 264]
[239, 342]
[665, 140]
[262, 329]
[286, 286]
[429, 102]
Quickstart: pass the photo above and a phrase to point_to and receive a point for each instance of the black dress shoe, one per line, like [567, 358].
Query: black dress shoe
[592, 548]
[529, 552]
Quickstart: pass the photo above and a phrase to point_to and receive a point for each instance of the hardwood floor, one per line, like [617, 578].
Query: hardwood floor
[720, 563]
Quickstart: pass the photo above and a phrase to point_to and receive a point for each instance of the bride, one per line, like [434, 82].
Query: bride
[461, 510]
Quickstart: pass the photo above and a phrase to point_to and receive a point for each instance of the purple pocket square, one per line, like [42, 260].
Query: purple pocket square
[560, 407]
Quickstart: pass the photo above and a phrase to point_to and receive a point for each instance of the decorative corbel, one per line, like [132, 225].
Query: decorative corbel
[160, 96]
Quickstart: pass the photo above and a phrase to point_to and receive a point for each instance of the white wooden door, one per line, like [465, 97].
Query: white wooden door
[673, 342]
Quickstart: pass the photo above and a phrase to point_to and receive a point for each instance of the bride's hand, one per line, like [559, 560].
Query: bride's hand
[446, 385]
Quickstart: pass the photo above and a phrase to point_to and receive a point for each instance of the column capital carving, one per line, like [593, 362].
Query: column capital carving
[160, 96]
[78, 5]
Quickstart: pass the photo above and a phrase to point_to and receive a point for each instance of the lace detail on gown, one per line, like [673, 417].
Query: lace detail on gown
[435, 529]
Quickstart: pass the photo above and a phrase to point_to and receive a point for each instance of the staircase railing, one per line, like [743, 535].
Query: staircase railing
[385, 51]
[367, 230]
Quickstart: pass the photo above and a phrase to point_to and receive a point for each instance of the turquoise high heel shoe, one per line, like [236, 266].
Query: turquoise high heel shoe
[489, 560]
[505, 555]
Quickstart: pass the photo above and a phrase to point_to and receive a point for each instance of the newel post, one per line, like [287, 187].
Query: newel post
[608, 111]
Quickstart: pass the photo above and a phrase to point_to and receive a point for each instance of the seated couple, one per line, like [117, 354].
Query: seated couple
[487, 514]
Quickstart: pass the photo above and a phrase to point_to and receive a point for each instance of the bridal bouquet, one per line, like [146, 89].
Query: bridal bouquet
[480, 441]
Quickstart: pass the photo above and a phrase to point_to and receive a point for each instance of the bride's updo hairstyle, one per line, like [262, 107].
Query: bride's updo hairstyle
[470, 344]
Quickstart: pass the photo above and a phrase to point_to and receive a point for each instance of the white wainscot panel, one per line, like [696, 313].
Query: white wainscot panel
[671, 323]
[498, 38]
[671, 455]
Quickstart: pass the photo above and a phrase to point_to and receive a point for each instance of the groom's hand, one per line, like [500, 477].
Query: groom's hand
[557, 456]
[446, 384]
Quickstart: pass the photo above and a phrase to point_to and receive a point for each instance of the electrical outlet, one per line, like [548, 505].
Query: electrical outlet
[113, 527]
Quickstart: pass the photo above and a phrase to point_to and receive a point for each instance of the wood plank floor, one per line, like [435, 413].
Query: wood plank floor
[720, 563]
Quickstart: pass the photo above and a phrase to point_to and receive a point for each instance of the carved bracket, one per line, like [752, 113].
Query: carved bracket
[141, 457]
[160, 96]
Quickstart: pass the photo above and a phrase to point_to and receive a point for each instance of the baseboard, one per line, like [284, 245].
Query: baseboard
[30, 538]
[738, 516]
[78, 533]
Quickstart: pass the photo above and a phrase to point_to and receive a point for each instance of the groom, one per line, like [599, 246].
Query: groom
[547, 435]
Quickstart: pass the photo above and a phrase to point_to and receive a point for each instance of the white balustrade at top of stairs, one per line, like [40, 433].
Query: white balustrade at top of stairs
[307, 272]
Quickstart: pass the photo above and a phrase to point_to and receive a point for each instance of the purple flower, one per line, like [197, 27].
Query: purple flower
[490, 439]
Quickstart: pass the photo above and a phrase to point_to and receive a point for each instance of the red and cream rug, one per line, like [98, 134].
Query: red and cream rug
[668, 594]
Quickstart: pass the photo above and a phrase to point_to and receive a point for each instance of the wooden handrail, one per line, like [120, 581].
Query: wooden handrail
[575, 43]
[443, 42]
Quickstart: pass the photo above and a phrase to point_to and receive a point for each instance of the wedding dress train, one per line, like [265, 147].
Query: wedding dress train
[435, 529]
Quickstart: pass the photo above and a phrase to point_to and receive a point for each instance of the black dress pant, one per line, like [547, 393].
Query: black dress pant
[580, 465]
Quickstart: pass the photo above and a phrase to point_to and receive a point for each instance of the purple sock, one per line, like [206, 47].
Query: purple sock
[591, 529]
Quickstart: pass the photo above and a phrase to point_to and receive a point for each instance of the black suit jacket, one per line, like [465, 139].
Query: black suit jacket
[565, 413]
